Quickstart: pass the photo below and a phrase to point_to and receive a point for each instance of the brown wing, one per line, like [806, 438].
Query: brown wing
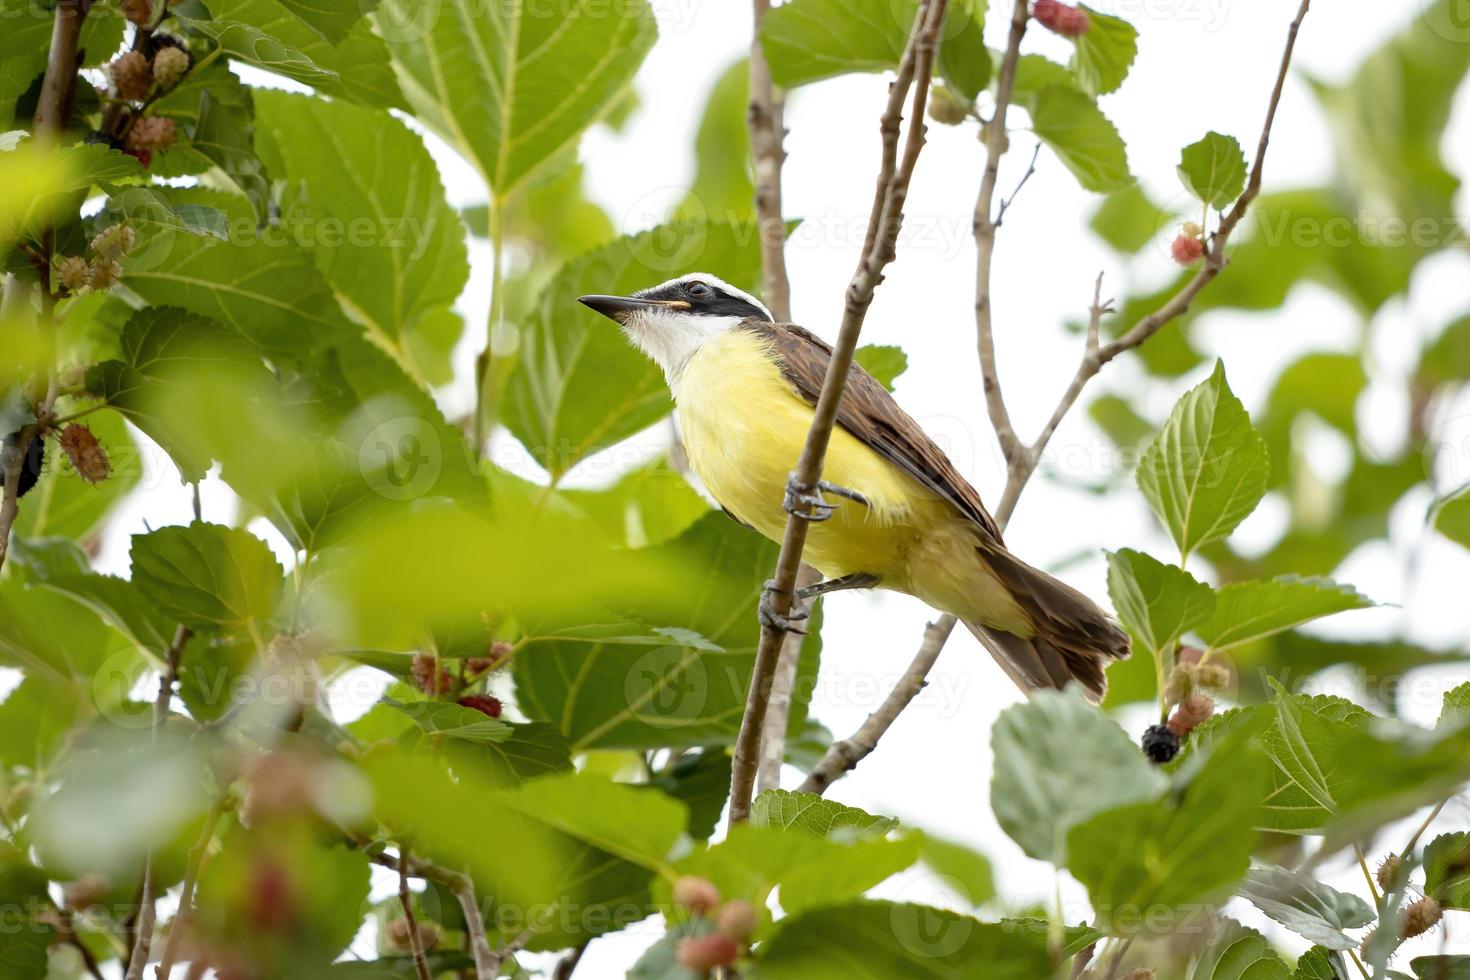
[868, 412]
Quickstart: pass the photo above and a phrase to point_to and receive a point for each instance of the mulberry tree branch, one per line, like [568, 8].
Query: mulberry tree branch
[765, 121]
[879, 250]
[1021, 459]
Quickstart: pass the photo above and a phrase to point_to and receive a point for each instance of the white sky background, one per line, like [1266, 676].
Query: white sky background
[1202, 64]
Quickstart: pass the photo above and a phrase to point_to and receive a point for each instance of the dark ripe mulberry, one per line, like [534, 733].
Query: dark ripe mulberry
[31, 465]
[482, 703]
[1160, 744]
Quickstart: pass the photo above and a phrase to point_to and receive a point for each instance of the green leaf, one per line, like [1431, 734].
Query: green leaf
[1239, 954]
[811, 870]
[1456, 701]
[452, 721]
[386, 240]
[1318, 963]
[647, 505]
[208, 576]
[723, 187]
[1059, 761]
[1213, 169]
[1442, 967]
[1207, 468]
[669, 688]
[1307, 907]
[492, 79]
[167, 355]
[557, 865]
[964, 870]
[1452, 517]
[1104, 54]
[809, 40]
[331, 20]
[222, 135]
[627, 821]
[809, 813]
[1246, 611]
[884, 362]
[1447, 870]
[701, 781]
[1128, 220]
[1083, 138]
[1192, 845]
[964, 60]
[579, 386]
[882, 940]
[1157, 603]
[258, 282]
[356, 68]
[1337, 774]
[246, 42]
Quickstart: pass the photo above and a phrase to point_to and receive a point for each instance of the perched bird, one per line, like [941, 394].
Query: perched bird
[745, 386]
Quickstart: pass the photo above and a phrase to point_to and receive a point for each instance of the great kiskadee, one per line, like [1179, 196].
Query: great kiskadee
[744, 387]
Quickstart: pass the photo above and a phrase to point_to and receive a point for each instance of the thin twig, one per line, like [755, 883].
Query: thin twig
[1022, 460]
[879, 251]
[997, 141]
[147, 907]
[410, 921]
[66, 928]
[1005, 204]
[765, 120]
[1080, 961]
[1367, 875]
[1414, 841]
[567, 965]
[778, 712]
[843, 756]
[1117, 963]
[186, 894]
[469, 906]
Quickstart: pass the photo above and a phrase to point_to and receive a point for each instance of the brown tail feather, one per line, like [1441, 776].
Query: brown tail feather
[1074, 639]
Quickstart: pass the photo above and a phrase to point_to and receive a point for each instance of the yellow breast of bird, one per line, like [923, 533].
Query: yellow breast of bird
[744, 426]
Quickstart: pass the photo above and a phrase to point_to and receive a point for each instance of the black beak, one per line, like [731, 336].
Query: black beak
[619, 308]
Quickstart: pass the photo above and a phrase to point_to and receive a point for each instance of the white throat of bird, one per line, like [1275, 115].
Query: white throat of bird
[671, 321]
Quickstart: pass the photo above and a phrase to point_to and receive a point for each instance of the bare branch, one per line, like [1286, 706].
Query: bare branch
[778, 712]
[1005, 205]
[879, 250]
[53, 107]
[1020, 470]
[843, 756]
[1215, 259]
[1022, 460]
[765, 119]
[486, 963]
[186, 895]
[147, 908]
[996, 143]
[405, 898]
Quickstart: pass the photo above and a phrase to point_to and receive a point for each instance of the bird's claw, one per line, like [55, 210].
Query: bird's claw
[805, 500]
[773, 620]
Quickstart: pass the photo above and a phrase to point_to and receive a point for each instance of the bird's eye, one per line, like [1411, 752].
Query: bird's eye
[698, 290]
